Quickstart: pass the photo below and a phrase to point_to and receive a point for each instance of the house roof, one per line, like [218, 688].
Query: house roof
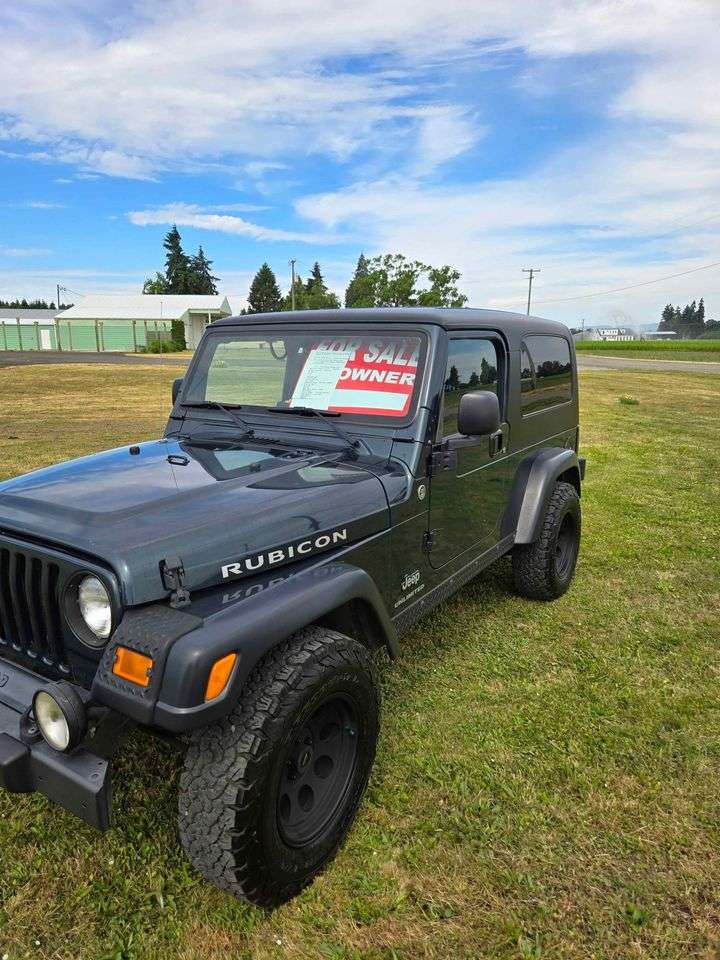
[144, 306]
[27, 315]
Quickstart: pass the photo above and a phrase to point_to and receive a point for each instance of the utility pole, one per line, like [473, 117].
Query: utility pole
[532, 271]
[58, 297]
[292, 283]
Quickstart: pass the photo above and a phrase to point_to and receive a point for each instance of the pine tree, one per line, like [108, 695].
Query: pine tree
[360, 291]
[264, 295]
[183, 274]
[200, 276]
[315, 279]
[667, 318]
[177, 263]
[316, 294]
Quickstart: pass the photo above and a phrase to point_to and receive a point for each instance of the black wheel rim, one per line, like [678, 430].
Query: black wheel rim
[566, 547]
[317, 771]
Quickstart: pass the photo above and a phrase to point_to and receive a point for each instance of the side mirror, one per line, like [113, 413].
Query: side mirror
[479, 413]
[176, 388]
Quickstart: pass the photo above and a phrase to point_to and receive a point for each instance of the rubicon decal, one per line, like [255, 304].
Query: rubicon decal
[291, 551]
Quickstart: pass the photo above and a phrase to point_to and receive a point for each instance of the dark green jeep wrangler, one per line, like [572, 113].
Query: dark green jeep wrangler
[324, 480]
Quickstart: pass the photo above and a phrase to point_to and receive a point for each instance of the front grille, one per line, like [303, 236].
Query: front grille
[30, 621]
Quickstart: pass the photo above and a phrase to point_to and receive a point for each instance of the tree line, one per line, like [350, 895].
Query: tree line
[689, 322]
[31, 304]
[390, 280]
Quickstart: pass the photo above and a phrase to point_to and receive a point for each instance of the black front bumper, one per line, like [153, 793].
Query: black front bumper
[78, 781]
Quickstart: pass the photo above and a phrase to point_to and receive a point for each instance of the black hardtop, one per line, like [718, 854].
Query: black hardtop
[516, 324]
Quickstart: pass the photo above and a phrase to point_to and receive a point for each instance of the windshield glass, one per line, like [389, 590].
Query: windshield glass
[360, 374]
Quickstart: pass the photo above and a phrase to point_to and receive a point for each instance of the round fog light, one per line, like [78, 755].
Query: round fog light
[60, 716]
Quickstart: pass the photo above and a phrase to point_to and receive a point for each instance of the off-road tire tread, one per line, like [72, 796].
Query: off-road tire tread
[218, 800]
[533, 563]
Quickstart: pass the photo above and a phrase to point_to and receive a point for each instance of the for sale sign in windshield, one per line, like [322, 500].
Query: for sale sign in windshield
[374, 377]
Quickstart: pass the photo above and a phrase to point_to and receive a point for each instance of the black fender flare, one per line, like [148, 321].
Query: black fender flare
[535, 478]
[251, 627]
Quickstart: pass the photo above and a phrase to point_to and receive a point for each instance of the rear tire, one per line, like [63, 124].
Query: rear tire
[543, 570]
[268, 794]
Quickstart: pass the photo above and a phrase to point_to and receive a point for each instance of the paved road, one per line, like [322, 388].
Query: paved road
[12, 358]
[17, 358]
[586, 362]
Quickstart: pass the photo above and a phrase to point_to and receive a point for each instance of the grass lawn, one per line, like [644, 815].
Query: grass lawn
[547, 781]
[704, 356]
[707, 351]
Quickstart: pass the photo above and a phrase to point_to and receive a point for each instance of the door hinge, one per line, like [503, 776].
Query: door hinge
[429, 540]
[441, 459]
[172, 572]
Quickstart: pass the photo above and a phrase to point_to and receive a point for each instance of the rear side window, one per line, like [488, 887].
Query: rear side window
[545, 373]
[471, 365]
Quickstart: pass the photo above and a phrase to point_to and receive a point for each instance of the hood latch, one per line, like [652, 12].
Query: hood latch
[172, 572]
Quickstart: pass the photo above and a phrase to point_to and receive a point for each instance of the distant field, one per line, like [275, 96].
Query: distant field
[547, 779]
[702, 350]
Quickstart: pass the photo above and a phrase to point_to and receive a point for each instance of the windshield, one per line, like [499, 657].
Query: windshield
[361, 374]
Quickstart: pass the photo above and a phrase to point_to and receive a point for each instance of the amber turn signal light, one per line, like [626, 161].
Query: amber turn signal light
[132, 666]
[219, 676]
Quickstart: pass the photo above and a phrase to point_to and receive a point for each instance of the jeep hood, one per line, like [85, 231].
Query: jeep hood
[210, 505]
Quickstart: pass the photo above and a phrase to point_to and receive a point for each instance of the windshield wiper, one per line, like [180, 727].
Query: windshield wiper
[227, 410]
[311, 411]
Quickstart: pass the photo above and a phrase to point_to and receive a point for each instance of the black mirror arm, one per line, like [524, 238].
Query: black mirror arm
[459, 441]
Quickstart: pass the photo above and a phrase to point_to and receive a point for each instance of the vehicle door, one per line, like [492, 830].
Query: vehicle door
[470, 483]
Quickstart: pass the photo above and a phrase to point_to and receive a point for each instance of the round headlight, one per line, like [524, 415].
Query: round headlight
[95, 607]
[60, 716]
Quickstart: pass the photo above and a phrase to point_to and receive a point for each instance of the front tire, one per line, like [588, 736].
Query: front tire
[268, 794]
[543, 570]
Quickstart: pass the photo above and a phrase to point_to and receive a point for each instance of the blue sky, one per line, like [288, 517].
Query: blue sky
[581, 138]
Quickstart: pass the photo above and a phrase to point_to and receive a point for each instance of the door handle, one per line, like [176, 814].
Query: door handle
[497, 443]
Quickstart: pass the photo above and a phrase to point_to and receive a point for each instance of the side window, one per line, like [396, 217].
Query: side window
[471, 365]
[545, 373]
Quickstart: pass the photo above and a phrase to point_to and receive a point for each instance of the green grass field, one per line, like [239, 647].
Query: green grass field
[547, 780]
[702, 350]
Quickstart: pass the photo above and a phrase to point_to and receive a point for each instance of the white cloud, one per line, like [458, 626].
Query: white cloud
[257, 168]
[22, 252]
[189, 215]
[42, 205]
[592, 219]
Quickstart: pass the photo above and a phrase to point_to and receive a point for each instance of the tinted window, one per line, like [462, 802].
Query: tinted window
[545, 373]
[471, 365]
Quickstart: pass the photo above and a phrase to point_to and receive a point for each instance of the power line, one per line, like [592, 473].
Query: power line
[681, 226]
[632, 286]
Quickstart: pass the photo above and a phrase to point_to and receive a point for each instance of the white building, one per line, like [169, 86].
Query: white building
[196, 312]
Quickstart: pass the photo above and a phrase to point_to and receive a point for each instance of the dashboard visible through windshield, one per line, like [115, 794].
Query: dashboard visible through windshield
[361, 374]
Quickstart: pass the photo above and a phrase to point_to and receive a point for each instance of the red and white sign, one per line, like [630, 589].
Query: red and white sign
[373, 377]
